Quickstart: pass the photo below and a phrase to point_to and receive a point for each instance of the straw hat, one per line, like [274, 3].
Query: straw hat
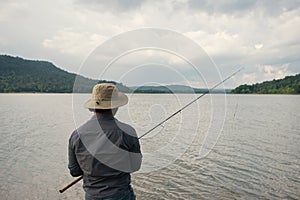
[106, 96]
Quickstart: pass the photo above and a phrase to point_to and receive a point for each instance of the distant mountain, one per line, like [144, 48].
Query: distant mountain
[21, 75]
[163, 89]
[174, 89]
[287, 85]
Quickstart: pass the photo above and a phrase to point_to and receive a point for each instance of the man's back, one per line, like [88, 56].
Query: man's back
[105, 151]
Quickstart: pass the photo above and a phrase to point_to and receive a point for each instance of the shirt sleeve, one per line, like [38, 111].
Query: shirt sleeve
[135, 153]
[73, 165]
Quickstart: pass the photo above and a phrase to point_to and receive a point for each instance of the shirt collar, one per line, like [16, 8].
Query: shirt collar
[103, 116]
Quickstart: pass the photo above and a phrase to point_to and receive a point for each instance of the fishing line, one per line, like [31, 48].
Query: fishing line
[187, 105]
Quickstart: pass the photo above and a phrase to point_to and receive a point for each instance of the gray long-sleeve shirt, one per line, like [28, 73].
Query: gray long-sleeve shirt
[105, 151]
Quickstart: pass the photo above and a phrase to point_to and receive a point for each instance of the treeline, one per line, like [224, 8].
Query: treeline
[169, 89]
[287, 85]
[20, 75]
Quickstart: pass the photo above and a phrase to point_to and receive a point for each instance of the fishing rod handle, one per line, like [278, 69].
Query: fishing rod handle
[70, 184]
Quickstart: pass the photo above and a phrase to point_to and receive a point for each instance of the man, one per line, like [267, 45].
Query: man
[104, 150]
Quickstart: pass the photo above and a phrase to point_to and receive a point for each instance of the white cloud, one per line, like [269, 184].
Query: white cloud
[3, 41]
[258, 46]
[13, 9]
[74, 43]
[275, 72]
[249, 78]
[262, 73]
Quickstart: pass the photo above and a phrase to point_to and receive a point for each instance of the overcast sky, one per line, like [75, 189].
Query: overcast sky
[262, 36]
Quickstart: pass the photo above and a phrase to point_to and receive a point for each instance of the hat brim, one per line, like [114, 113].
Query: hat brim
[114, 103]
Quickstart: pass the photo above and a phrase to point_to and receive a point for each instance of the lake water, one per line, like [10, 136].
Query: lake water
[257, 154]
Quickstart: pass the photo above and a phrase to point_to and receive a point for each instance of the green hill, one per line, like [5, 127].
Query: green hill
[20, 75]
[287, 85]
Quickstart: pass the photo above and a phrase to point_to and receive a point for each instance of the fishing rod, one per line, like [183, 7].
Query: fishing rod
[187, 105]
[159, 124]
